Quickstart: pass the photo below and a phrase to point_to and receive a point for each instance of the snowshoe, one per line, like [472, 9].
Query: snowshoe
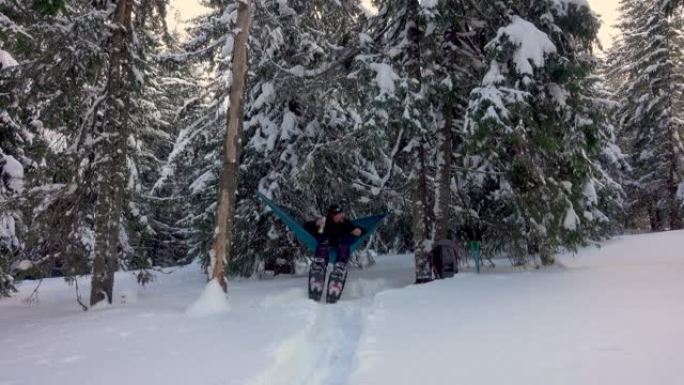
[336, 282]
[317, 278]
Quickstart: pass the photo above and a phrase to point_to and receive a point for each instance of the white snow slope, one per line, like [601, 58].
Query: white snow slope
[607, 316]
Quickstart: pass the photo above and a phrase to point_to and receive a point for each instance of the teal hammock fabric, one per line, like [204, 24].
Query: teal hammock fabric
[370, 224]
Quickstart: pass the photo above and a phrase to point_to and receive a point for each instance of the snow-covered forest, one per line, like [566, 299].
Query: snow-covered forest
[501, 125]
[495, 122]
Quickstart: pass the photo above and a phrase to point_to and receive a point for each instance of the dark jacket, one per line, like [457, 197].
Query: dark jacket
[334, 232]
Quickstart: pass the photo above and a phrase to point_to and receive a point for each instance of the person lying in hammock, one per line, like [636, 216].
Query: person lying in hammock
[333, 231]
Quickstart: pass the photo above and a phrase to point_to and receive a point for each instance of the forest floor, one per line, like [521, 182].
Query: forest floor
[609, 315]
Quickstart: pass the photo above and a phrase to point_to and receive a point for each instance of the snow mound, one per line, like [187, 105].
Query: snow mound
[212, 301]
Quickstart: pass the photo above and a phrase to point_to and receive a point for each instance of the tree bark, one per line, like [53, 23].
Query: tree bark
[225, 212]
[443, 198]
[111, 160]
[655, 215]
[421, 225]
[675, 204]
[421, 210]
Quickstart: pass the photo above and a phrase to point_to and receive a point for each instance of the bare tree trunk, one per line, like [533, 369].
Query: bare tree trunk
[656, 215]
[443, 191]
[421, 225]
[111, 160]
[225, 212]
[675, 204]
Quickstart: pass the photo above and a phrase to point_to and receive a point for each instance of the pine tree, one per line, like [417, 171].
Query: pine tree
[152, 239]
[55, 92]
[454, 65]
[535, 130]
[11, 178]
[11, 223]
[203, 122]
[112, 135]
[295, 119]
[124, 112]
[650, 88]
[301, 122]
[81, 92]
[19, 144]
[402, 111]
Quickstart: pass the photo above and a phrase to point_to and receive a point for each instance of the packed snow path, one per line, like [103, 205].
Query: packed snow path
[322, 353]
[607, 316]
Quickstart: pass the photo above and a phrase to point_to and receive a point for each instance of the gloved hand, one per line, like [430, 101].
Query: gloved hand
[320, 223]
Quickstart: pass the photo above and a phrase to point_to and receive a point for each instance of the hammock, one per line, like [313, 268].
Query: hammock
[369, 224]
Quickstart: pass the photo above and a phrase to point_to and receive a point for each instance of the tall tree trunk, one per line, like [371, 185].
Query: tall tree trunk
[111, 159]
[421, 219]
[225, 212]
[675, 203]
[421, 224]
[656, 215]
[443, 191]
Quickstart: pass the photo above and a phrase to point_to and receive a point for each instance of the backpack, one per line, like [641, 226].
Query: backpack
[444, 260]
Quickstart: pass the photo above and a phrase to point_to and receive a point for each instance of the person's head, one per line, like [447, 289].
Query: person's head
[335, 213]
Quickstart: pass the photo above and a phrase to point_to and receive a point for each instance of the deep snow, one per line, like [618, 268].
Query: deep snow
[607, 316]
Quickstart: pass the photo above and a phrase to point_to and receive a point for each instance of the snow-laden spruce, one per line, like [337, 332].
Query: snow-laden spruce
[296, 118]
[89, 121]
[538, 131]
[646, 72]
[11, 222]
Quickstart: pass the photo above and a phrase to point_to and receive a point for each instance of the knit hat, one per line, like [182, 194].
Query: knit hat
[334, 209]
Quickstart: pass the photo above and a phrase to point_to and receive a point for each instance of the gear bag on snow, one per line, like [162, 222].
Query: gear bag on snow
[444, 259]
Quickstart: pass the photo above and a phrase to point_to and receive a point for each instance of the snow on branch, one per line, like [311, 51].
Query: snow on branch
[6, 60]
[532, 45]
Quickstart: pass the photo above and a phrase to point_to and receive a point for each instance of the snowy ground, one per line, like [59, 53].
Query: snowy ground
[613, 315]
